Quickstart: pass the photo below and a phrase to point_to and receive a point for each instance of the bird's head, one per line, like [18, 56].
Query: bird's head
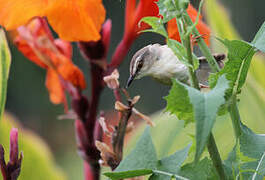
[142, 62]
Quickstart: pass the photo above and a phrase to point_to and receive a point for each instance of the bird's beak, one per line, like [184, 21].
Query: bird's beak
[131, 78]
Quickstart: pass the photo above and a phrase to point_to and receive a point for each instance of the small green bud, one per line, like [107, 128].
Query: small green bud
[169, 5]
[183, 4]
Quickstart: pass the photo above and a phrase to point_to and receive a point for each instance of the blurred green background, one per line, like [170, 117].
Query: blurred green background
[28, 100]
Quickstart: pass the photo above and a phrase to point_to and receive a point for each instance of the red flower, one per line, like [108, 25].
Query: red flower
[203, 29]
[133, 14]
[35, 41]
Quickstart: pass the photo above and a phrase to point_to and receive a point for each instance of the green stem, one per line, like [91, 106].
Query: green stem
[193, 77]
[235, 116]
[233, 109]
[215, 156]
[204, 48]
[211, 145]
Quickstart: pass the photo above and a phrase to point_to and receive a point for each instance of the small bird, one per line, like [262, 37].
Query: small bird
[160, 62]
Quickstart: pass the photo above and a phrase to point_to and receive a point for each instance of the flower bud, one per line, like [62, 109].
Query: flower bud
[112, 80]
[120, 107]
[13, 157]
[183, 4]
[11, 170]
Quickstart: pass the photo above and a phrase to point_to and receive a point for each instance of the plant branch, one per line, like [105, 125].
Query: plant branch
[118, 137]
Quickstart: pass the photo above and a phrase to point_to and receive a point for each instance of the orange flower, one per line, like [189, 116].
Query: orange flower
[37, 44]
[73, 20]
[203, 29]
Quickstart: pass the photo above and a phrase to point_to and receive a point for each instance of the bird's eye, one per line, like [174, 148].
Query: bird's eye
[140, 64]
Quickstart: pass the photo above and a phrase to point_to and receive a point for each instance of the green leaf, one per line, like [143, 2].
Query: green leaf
[156, 24]
[236, 68]
[143, 161]
[247, 158]
[199, 171]
[260, 170]
[259, 40]
[128, 174]
[139, 162]
[5, 59]
[178, 103]
[171, 164]
[251, 144]
[161, 175]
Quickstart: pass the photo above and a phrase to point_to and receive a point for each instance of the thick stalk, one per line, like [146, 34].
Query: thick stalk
[215, 156]
[211, 145]
[235, 116]
[233, 109]
[194, 80]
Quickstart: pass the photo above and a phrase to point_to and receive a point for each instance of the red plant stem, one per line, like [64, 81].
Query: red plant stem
[91, 173]
[120, 53]
[117, 94]
[97, 87]
[90, 123]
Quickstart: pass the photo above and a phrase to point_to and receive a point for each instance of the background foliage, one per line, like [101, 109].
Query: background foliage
[28, 99]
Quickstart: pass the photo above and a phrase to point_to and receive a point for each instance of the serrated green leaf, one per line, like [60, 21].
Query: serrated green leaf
[199, 171]
[139, 162]
[178, 103]
[156, 24]
[236, 68]
[171, 164]
[5, 59]
[258, 41]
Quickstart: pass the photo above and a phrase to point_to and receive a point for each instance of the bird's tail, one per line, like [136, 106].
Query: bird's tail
[204, 69]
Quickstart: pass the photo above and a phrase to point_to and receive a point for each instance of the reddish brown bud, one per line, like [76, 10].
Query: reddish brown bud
[11, 170]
